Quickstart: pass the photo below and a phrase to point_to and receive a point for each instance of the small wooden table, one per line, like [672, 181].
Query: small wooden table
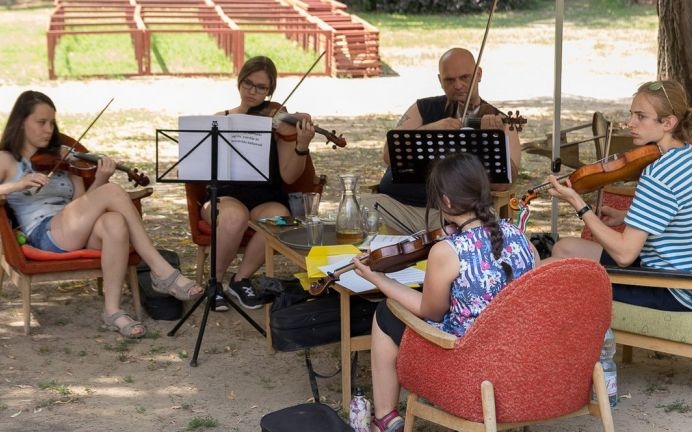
[348, 344]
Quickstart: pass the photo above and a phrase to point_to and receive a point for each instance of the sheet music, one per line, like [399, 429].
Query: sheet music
[252, 166]
[350, 280]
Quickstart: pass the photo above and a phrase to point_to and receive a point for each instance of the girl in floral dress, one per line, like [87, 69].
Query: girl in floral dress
[465, 271]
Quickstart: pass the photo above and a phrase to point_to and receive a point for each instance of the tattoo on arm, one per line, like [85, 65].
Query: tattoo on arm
[403, 119]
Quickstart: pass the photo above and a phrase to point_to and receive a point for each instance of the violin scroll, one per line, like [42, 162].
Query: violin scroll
[515, 121]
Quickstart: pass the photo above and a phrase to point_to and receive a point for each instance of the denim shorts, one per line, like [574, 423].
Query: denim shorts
[41, 238]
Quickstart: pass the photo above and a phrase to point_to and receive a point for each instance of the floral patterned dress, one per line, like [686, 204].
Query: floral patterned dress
[481, 276]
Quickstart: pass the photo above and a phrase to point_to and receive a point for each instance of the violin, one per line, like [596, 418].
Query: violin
[81, 164]
[513, 119]
[284, 124]
[588, 178]
[390, 258]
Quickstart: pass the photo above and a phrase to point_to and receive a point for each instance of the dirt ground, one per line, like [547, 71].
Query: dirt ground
[70, 375]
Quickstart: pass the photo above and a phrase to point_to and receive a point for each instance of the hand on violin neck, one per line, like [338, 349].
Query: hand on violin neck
[562, 189]
[448, 123]
[490, 121]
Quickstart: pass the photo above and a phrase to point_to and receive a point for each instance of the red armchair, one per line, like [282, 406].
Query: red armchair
[531, 356]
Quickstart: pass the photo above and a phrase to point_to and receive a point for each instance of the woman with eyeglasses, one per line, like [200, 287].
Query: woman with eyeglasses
[239, 204]
[658, 224]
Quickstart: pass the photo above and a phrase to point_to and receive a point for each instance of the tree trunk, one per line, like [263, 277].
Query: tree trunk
[675, 42]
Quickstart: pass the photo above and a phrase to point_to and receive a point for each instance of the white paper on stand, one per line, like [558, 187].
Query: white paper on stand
[350, 280]
[254, 147]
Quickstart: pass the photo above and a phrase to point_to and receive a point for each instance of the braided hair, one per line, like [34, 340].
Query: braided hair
[463, 180]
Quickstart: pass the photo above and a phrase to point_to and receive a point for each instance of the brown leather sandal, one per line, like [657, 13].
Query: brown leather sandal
[128, 330]
[170, 285]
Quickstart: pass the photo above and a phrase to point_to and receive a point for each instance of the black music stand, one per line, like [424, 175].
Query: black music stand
[412, 152]
[212, 289]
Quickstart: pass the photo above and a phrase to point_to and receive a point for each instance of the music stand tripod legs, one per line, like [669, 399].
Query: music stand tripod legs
[213, 287]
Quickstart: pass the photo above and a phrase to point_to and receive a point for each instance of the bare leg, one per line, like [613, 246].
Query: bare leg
[73, 227]
[571, 247]
[231, 224]
[253, 257]
[385, 383]
[110, 235]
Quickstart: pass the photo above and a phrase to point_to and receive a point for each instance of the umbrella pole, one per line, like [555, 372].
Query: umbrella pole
[557, 105]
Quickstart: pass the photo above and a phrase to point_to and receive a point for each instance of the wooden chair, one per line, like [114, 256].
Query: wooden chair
[26, 265]
[532, 355]
[196, 194]
[569, 146]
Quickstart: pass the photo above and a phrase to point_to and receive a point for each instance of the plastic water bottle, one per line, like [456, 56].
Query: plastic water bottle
[609, 368]
[359, 412]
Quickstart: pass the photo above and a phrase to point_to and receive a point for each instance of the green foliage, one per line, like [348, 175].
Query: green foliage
[202, 422]
[677, 406]
[24, 50]
[61, 389]
[439, 6]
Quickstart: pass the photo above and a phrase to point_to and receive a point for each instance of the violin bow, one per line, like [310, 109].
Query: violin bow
[478, 62]
[599, 194]
[300, 82]
[62, 159]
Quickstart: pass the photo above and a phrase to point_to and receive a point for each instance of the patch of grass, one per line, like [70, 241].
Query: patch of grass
[128, 379]
[654, 388]
[156, 334]
[677, 406]
[202, 422]
[140, 410]
[43, 350]
[122, 345]
[61, 389]
[157, 350]
[24, 51]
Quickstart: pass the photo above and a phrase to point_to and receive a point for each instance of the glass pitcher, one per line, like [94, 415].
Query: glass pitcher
[349, 225]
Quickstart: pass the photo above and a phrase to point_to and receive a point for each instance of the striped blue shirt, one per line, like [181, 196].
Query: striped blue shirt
[662, 207]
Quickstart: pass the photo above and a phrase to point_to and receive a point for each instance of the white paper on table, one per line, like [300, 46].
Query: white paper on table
[350, 280]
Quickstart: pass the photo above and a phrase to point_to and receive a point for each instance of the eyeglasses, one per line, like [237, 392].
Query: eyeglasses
[249, 85]
[658, 85]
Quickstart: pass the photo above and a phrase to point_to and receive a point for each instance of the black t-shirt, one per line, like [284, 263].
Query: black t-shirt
[431, 110]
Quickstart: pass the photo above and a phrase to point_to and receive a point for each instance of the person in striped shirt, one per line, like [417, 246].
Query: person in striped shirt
[658, 224]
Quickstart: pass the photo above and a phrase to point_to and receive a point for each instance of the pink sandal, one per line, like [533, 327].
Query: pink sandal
[391, 422]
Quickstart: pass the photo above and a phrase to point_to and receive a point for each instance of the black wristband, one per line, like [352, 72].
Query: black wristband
[302, 152]
[582, 211]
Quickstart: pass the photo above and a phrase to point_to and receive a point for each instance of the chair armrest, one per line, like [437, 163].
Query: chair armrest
[423, 329]
[140, 193]
[137, 195]
[626, 190]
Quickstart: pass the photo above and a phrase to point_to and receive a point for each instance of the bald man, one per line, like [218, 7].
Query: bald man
[403, 205]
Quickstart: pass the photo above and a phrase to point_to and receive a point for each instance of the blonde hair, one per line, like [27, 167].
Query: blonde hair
[669, 98]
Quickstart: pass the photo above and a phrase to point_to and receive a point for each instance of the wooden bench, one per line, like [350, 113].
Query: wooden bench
[641, 327]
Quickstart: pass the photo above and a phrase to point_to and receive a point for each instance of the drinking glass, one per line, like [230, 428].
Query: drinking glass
[371, 221]
[315, 231]
[311, 204]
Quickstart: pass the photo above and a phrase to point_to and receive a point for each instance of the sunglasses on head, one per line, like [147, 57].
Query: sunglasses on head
[658, 85]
